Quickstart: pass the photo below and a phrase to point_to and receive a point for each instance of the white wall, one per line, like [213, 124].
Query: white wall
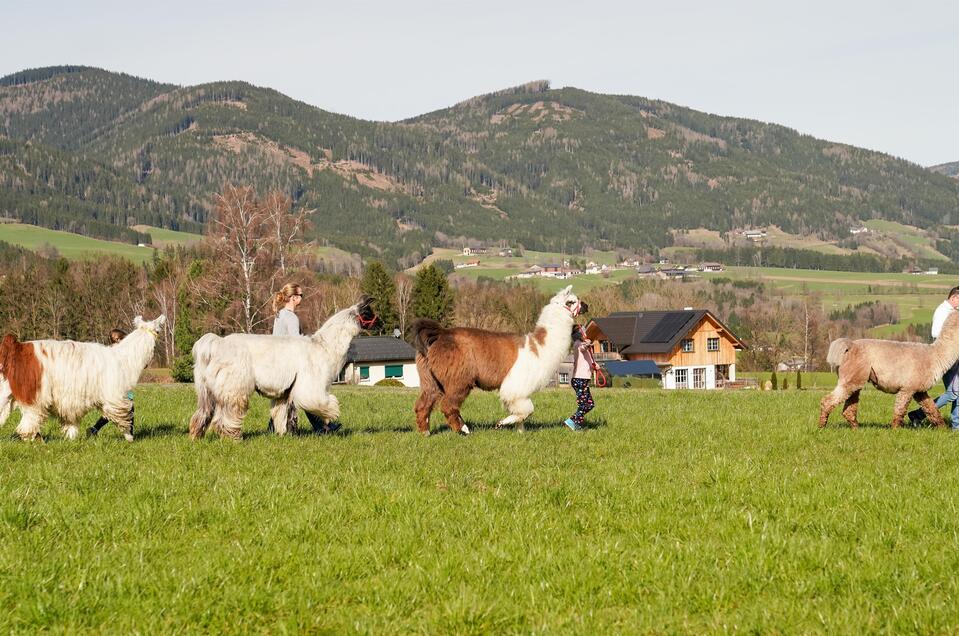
[378, 372]
[669, 378]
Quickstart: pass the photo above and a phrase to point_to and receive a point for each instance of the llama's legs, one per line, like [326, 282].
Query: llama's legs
[450, 405]
[929, 408]
[899, 410]
[205, 407]
[428, 398]
[326, 407]
[519, 410]
[228, 419]
[831, 401]
[851, 408]
[121, 413]
[30, 422]
[69, 430]
[279, 414]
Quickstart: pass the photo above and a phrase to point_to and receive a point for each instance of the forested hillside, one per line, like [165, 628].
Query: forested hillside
[948, 169]
[95, 152]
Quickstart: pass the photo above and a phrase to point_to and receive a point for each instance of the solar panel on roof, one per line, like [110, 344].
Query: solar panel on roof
[668, 325]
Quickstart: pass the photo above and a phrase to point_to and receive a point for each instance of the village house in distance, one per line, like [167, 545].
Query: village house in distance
[691, 347]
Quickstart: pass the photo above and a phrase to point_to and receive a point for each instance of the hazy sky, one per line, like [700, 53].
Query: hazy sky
[881, 75]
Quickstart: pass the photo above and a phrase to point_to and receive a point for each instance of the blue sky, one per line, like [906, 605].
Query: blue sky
[881, 75]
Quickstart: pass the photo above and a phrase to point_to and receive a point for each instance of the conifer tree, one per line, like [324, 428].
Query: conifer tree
[432, 296]
[378, 284]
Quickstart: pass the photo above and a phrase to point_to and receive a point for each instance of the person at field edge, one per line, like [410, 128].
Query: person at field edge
[951, 378]
[116, 336]
[583, 365]
[287, 323]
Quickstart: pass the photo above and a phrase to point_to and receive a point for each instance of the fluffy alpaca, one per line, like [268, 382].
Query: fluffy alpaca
[453, 361]
[66, 379]
[292, 371]
[907, 369]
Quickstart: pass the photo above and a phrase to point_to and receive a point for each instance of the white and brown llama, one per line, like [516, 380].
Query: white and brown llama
[451, 362]
[293, 371]
[66, 379]
[907, 369]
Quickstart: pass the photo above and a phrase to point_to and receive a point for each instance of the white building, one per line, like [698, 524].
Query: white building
[374, 358]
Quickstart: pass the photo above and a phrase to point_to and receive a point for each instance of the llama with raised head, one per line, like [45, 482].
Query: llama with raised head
[907, 369]
[293, 371]
[66, 379]
[451, 362]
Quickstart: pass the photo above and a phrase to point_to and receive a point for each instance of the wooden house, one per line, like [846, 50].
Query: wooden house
[692, 348]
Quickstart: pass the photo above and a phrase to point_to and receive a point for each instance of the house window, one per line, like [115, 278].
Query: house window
[564, 378]
[722, 372]
[606, 346]
[394, 370]
[682, 379]
[687, 345]
[712, 344]
[364, 373]
[699, 378]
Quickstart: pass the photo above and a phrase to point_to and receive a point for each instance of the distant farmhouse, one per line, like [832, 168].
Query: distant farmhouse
[710, 267]
[691, 348]
[755, 235]
[858, 229]
[374, 358]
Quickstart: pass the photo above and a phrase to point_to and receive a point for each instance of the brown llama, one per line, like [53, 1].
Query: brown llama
[907, 369]
[451, 362]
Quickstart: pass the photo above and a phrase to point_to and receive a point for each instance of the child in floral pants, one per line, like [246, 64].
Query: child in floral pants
[583, 365]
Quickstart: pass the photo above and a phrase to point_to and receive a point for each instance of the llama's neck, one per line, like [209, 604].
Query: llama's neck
[337, 333]
[134, 353]
[557, 322]
[945, 350]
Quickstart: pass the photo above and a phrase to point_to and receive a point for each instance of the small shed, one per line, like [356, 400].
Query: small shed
[373, 358]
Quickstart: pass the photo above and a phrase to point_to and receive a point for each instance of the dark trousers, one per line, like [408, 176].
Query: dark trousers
[315, 421]
[584, 399]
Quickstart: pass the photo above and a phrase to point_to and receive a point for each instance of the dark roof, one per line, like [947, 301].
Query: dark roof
[633, 367]
[652, 331]
[379, 348]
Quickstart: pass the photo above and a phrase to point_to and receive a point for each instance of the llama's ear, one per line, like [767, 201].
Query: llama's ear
[567, 290]
[160, 320]
[137, 322]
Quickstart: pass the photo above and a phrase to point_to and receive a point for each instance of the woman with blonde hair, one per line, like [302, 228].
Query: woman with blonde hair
[287, 323]
[285, 302]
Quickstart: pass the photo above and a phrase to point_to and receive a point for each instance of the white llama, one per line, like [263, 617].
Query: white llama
[293, 371]
[66, 379]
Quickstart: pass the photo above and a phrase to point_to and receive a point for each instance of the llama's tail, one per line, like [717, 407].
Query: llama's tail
[203, 351]
[425, 333]
[837, 351]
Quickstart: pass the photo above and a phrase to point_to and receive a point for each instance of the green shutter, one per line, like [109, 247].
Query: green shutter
[394, 370]
[364, 373]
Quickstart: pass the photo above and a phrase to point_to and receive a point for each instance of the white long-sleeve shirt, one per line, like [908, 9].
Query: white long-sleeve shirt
[939, 317]
[286, 323]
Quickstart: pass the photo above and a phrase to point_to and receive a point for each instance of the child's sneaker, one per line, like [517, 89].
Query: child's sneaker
[573, 426]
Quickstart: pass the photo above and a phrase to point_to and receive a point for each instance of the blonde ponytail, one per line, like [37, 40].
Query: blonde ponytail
[283, 296]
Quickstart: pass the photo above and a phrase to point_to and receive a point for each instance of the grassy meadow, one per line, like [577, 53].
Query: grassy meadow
[676, 512]
[70, 245]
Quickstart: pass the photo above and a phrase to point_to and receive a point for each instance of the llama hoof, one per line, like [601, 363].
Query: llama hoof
[128, 437]
[71, 433]
[465, 430]
[425, 433]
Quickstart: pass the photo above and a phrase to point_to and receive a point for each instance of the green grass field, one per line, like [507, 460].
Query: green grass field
[69, 245]
[162, 237]
[915, 296]
[678, 512]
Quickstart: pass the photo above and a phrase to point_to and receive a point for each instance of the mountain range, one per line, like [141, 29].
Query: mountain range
[97, 152]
